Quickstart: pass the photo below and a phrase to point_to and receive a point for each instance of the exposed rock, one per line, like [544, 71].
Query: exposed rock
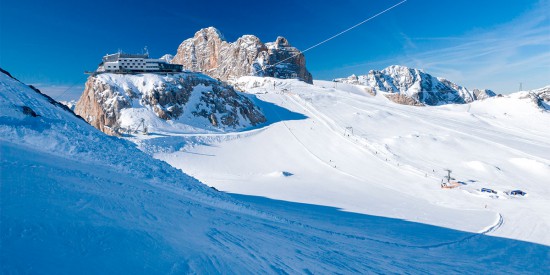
[483, 94]
[186, 98]
[28, 111]
[414, 87]
[208, 52]
[403, 99]
[541, 97]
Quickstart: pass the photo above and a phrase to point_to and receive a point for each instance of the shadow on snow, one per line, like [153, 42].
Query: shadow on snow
[411, 244]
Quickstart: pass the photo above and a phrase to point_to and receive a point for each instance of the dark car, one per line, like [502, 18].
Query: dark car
[517, 193]
[487, 190]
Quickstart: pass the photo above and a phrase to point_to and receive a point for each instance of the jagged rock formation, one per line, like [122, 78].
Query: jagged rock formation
[115, 103]
[210, 53]
[414, 87]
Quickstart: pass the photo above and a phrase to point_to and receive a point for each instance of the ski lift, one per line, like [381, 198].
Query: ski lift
[348, 131]
[143, 127]
[449, 183]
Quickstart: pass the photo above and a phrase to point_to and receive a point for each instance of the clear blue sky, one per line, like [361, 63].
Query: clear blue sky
[483, 44]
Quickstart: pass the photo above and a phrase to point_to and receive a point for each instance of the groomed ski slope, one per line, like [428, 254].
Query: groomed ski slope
[74, 200]
[390, 162]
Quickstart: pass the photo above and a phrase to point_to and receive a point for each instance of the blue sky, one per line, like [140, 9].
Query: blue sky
[478, 44]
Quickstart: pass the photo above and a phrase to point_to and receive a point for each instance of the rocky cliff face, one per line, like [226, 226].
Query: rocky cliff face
[210, 53]
[414, 87]
[116, 103]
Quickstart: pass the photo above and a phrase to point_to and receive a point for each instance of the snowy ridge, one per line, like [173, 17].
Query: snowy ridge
[412, 87]
[540, 97]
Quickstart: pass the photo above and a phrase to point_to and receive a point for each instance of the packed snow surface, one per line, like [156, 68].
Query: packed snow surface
[365, 154]
[74, 200]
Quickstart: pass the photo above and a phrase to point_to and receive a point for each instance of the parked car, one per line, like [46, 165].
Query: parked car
[487, 190]
[517, 193]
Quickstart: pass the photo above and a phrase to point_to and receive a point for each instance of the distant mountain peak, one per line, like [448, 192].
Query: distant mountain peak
[412, 86]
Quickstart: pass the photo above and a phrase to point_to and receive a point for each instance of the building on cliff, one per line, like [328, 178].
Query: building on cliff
[135, 63]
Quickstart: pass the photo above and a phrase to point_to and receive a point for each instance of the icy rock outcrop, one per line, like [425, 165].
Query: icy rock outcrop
[203, 101]
[543, 97]
[540, 97]
[210, 53]
[414, 87]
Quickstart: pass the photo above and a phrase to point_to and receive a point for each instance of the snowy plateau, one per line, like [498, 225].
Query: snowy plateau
[335, 180]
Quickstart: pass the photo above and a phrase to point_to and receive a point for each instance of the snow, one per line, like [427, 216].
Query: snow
[74, 200]
[395, 157]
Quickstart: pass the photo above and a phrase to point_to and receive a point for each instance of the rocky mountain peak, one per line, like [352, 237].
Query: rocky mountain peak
[210, 33]
[282, 42]
[208, 52]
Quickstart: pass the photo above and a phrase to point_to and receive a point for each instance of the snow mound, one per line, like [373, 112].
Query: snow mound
[531, 165]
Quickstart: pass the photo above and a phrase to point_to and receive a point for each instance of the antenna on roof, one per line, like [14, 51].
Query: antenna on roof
[146, 51]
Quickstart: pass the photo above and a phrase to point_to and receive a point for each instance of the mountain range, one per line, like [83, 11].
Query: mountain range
[414, 87]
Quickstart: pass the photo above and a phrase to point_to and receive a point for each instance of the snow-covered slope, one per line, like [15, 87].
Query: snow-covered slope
[414, 87]
[122, 103]
[74, 200]
[366, 154]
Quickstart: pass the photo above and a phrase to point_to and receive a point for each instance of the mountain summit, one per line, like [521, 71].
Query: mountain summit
[210, 53]
[414, 87]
